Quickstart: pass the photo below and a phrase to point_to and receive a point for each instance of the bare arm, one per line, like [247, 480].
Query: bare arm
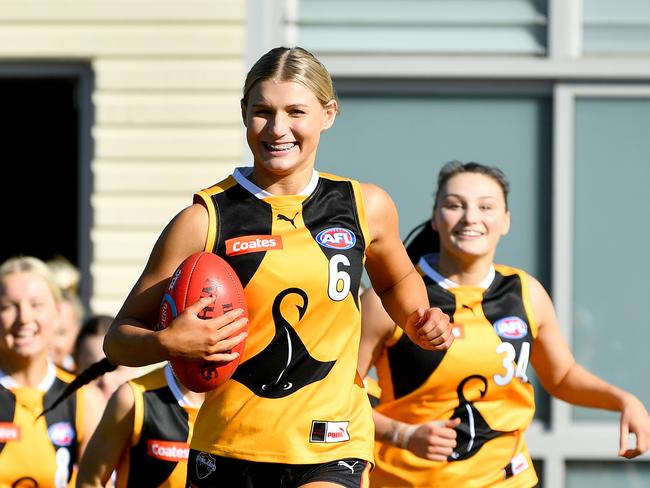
[376, 329]
[395, 279]
[131, 340]
[94, 403]
[434, 440]
[565, 379]
[110, 440]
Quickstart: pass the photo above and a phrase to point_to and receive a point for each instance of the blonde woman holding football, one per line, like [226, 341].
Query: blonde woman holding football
[295, 412]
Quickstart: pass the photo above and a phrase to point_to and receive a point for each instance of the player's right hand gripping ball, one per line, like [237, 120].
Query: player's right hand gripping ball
[200, 275]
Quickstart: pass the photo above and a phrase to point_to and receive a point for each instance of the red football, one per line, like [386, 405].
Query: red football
[200, 275]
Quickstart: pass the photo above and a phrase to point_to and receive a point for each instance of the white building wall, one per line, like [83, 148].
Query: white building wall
[167, 80]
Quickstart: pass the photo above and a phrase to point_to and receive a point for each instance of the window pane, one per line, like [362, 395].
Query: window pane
[620, 27]
[612, 238]
[515, 27]
[598, 474]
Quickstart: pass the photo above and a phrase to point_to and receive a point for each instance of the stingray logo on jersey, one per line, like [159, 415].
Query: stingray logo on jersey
[336, 238]
[9, 432]
[61, 434]
[258, 243]
[322, 431]
[511, 328]
[168, 450]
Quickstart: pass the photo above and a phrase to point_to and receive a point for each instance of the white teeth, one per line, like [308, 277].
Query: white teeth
[281, 147]
[470, 233]
[25, 333]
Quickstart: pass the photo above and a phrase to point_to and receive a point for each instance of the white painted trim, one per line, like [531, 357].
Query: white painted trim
[609, 90]
[292, 8]
[265, 27]
[563, 225]
[564, 29]
[486, 67]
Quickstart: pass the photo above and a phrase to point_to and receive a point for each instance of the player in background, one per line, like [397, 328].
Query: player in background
[295, 412]
[457, 417]
[88, 351]
[71, 313]
[143, 436]
[42, 450]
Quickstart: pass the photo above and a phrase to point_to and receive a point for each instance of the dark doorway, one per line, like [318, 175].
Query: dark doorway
[39, 123]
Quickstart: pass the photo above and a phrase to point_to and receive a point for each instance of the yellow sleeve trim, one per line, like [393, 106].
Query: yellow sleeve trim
[363, 219]
[79, 415]
[203, 197]
[138, 413]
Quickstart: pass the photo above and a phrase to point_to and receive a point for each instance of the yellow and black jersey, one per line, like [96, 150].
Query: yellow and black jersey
[481, 379]
[40, 451]
[162, 427]
[296, 396]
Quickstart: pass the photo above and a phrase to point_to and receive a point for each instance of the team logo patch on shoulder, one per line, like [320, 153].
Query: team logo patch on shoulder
[168, 450]
[324, 431]
[511, 328]
[61, 434]
[9, 432]
[336, 238]
[257, 243]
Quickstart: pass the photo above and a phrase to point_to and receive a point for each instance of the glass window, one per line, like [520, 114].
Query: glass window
[612, 238]
[620, 27]
[459, 26]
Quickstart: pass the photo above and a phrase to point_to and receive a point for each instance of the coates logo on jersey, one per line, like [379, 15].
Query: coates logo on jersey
[246, 244]
[168, 450]
[511, 328]
[61, 434]
[336, 238]
[9, 432]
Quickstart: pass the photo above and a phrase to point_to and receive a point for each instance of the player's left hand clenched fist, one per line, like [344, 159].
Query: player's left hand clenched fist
[430, 329]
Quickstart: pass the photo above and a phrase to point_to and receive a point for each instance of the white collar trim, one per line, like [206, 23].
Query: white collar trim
[241, 175]
[426, 264]
[45, 384]
[172, 382]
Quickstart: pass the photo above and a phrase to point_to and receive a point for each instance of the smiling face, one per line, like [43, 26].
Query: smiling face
[28, 314]
[284, 120]
[470, 216]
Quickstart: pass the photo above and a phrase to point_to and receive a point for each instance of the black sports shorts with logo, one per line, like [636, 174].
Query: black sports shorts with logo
[208, 471]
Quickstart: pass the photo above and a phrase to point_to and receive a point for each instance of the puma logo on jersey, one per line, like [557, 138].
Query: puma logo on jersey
[287, 219]
[349, 466]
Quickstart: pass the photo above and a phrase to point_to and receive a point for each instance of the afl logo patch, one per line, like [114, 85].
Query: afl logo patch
[336, 238]
[511, 328]
[61, 434]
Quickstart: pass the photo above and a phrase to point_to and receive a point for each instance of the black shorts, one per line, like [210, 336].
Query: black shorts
[208, 471]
